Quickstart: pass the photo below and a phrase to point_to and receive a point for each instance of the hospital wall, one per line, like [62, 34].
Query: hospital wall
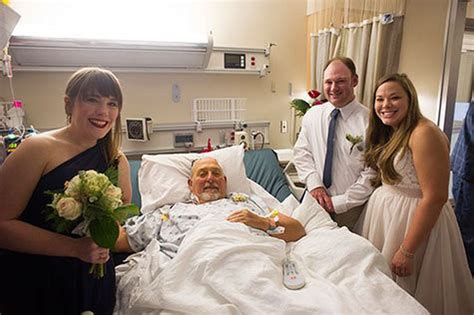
[234, 24]
[422, 51]
[244, 24]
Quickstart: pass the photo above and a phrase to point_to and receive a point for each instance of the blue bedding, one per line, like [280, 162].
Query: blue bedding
[262, 167]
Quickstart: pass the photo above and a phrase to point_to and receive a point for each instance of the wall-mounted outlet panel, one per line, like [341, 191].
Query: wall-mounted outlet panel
[176, 93]
[183, 139]
[283, 126]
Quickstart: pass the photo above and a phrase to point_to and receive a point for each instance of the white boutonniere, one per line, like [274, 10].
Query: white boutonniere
[355, 141]
[238, 197]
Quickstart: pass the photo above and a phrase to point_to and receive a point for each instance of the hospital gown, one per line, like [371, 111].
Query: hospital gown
[170, 224]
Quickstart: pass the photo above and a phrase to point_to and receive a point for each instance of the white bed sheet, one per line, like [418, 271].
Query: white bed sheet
[221, 268]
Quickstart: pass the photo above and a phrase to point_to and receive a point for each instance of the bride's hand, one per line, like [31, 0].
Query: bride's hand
[401, 265]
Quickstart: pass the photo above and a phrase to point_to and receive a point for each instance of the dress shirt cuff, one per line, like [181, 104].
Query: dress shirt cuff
[313, 181]
[340, 203]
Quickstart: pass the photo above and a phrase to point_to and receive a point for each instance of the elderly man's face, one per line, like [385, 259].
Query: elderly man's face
[207, 181]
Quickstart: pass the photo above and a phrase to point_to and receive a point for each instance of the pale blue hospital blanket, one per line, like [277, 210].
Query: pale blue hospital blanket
[170, 224]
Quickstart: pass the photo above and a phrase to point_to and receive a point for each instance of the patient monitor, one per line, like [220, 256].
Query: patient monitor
[139, 129]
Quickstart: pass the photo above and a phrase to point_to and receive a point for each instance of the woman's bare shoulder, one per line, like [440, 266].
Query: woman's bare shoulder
[37, 150]
[42, 142]
[428, 134]
[427, 128]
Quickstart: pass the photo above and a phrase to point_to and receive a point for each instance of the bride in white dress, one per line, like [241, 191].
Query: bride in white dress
[408, 218]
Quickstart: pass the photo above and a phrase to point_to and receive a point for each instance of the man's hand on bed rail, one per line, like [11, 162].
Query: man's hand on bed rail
[293, 228]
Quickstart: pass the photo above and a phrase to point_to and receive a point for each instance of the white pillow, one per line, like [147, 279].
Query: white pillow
[312, 215]
[163, 178]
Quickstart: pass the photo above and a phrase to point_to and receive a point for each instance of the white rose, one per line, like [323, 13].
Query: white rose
[73, 187]
[113, 192]
[56, 198]
[113, 195]
[69, 208]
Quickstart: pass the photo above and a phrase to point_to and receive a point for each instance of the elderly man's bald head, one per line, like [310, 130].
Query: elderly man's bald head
[207, 182]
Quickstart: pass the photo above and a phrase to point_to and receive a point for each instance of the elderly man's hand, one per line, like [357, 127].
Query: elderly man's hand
[322, 197]
[249, 218]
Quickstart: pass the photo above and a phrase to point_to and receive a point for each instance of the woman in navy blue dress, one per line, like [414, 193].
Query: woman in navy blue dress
[41, 271]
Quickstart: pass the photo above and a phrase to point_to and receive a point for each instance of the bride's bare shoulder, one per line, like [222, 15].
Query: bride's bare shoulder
[428, 133]
[427, 127]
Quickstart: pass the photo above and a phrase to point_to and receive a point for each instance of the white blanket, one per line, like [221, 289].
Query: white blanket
[221, 268]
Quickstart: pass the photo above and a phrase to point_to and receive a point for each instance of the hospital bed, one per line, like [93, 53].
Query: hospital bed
[222, 269]
[261, 166]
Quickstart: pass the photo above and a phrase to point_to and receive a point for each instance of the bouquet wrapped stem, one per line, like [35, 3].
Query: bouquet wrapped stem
[97, 270]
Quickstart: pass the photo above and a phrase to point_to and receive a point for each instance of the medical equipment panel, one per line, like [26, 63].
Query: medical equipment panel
[234, 61]
[183, 140]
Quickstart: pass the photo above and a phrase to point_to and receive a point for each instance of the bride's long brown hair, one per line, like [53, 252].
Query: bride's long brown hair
[384, 142]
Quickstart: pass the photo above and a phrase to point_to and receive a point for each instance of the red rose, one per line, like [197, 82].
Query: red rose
[313, 93]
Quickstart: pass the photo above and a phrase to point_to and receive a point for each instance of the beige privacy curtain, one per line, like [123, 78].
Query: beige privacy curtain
[367, 31]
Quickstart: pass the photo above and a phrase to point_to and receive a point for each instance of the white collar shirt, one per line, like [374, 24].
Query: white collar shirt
[350, 181]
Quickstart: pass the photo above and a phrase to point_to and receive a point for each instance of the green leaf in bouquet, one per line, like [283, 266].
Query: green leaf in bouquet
[112, 174]
[52, 192]
[59, 224]
[93, 211]
[64, 226]
[123, 212]
[104, 231]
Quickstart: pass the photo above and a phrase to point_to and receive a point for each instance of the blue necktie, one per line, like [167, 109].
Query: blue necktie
[327, 177]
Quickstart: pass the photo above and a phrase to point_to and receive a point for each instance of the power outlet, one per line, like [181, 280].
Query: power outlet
[283, 126]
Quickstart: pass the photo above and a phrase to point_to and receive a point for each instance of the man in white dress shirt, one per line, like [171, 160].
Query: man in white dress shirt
[344, 186]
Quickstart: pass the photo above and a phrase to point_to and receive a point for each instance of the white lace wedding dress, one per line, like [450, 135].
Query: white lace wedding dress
[441, 280]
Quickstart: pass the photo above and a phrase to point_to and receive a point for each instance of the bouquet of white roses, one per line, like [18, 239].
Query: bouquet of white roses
[91, 205]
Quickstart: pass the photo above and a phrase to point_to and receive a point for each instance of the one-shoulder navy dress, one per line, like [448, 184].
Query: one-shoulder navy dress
[36, 284]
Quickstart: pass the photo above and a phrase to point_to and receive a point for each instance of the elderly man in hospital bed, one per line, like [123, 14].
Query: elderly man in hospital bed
[197, 260]
[209, 200]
